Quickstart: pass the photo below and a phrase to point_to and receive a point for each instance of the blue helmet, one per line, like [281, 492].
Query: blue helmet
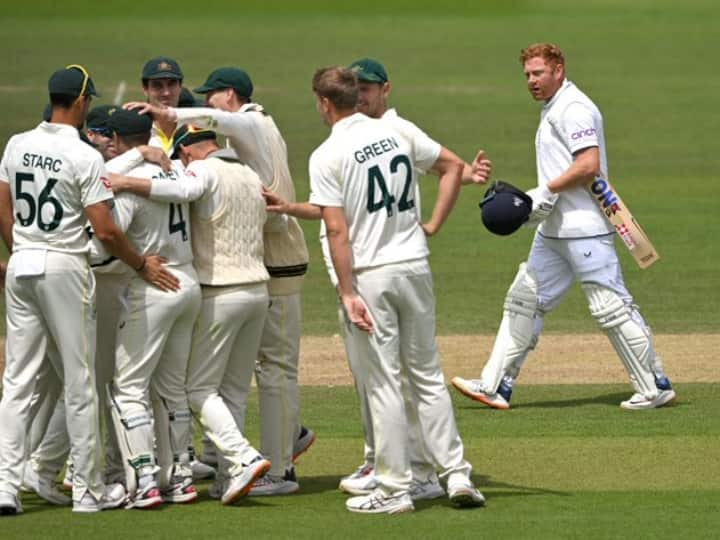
[505, 208]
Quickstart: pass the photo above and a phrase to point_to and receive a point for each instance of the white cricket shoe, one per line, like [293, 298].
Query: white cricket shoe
[361, 482]
[146, 497]
[471, 388]
[304, 441]
[463, 493]
[431, 489]
[201, 471]
[9, 504]
[44, 487]
[113, 497]
[180, 490]
[240, 484]
[378, 502]
[639, 401]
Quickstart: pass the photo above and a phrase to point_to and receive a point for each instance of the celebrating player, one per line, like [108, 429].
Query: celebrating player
[227, 220]
[52, 183]
[363, 177]
[153, 340]
[573, 242]
[252, 133]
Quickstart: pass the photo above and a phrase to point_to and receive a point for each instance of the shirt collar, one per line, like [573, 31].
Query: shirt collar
[345, 123]
[65, 129]
[565, 85]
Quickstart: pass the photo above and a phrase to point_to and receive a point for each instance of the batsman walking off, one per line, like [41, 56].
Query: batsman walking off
[574, 242]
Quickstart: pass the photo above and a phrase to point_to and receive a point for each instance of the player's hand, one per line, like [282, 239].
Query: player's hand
[117, 182]
[357, 312]
[155, 273]
[543, 203]
[481, 168]
[429, 228]
[156, 155]
[274, 202]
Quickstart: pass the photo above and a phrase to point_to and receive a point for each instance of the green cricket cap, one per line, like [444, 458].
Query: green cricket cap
[72, 80]
[98, 117]
[124, 122]
[369, 70]
[162, 67]
[188, 134]
[228, 77]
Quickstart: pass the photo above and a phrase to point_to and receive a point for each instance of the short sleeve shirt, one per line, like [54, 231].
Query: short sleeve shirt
[369, 169]
[569, 123]
[53, 176]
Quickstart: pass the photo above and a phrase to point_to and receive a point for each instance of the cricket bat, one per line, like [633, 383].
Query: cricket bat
[627, 227]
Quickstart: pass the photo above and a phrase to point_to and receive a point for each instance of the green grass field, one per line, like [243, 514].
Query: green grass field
[566, 463]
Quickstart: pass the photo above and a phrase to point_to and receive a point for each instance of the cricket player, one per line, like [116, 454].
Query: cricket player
[98, 133]
[162, 85]
[50, 184]
[49, 441]
[574, 242]
[153, 340]
[363, 177]
[252, 133]
[227, 221]
[373, 92]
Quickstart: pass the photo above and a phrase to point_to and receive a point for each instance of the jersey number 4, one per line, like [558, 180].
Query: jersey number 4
[387, 200]
[179, 225]
[35, 208]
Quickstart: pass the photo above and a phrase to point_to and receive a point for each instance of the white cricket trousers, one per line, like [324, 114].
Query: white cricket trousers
[276, 373]
[49, 440]
[58, 306]
[153, 346]
[402, 305]
[224, 350]
[356, 349]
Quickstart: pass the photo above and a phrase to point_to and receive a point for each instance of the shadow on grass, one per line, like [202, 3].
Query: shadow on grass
[613, 399]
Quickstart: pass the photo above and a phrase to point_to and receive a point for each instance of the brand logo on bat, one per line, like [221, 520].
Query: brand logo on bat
[602, 192]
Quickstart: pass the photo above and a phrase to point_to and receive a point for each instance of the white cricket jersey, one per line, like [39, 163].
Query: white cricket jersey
[369, 169]
[570, 122]
[156, 228]
[416, 137]
[53, 176]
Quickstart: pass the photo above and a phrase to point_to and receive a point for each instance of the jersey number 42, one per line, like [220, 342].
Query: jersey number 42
[386, 199]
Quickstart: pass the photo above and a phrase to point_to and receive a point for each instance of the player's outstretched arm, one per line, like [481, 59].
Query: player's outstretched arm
[450, 168]
[302, 210]
[150, 267]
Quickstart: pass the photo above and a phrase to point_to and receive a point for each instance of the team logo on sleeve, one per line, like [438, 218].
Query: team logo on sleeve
[582, 133]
